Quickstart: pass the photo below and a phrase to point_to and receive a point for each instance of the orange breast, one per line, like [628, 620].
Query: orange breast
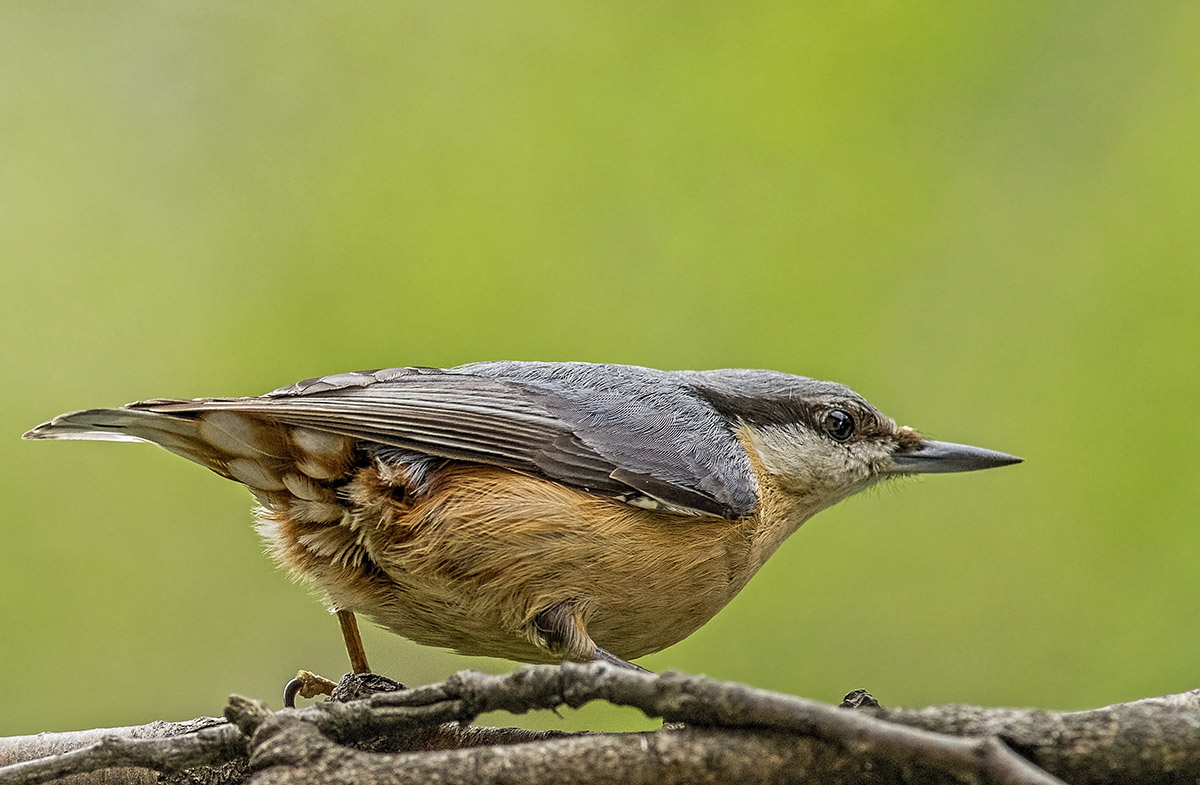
[472, 559]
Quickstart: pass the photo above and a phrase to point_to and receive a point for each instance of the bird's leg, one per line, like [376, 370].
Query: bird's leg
[309, 685]
[354, 645]
[560, 629]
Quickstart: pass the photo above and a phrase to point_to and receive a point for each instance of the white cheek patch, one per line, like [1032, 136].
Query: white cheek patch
[791, 450]
[809, 461]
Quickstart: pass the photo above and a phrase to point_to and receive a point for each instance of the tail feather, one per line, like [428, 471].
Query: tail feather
[113, 425]
[179, 434]
[287, 467]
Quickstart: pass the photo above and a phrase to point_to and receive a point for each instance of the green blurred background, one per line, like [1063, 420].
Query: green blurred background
[984, 217]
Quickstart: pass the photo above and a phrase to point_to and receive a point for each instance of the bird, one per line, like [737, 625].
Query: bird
[536, 511]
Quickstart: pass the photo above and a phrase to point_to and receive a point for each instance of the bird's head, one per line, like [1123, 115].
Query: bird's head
[821, 442]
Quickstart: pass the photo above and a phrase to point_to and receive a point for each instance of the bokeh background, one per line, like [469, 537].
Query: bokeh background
[984, 217]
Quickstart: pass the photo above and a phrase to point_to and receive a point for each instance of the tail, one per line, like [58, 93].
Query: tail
[177, 434]
[185, 434]
[210, 438]
[285, 467]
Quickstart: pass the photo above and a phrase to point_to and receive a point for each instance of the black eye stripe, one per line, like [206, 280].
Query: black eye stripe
[838, 424]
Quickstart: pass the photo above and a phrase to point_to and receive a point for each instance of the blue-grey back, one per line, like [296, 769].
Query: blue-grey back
[665, 439]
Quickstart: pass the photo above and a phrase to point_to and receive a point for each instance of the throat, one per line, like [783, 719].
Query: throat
[778, 519]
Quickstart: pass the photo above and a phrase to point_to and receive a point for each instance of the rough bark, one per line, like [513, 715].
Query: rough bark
[716, 732]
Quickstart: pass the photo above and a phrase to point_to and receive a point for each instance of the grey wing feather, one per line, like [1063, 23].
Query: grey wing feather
[620, 430]
[445, 416]
[665, 440]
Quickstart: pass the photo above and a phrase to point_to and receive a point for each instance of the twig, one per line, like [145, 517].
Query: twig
[206, 747]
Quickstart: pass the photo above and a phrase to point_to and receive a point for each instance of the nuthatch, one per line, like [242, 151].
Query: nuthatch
[535, 511]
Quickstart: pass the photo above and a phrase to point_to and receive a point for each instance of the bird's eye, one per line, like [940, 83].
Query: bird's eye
[838, 424]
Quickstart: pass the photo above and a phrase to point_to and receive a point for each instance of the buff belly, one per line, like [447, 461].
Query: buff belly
[471, 558]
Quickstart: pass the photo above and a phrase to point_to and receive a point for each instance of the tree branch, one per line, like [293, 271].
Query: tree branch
[731, 733]
[160, 746]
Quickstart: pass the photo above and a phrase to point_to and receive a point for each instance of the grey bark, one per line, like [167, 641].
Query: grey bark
[729, 733]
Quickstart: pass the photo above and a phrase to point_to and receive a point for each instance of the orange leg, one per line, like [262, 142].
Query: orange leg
[354, 646]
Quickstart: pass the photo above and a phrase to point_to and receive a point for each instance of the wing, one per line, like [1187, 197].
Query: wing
[643, 439]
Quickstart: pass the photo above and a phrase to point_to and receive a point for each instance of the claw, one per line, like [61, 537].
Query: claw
[306, 685]
[607, 656]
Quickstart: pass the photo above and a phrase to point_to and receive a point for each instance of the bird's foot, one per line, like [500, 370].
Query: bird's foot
[306, 685]
[353, 686]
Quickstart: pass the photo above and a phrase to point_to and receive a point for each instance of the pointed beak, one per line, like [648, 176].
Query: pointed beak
[930, 457]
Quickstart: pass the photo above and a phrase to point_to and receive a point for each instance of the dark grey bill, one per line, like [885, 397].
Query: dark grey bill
[937, 457]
